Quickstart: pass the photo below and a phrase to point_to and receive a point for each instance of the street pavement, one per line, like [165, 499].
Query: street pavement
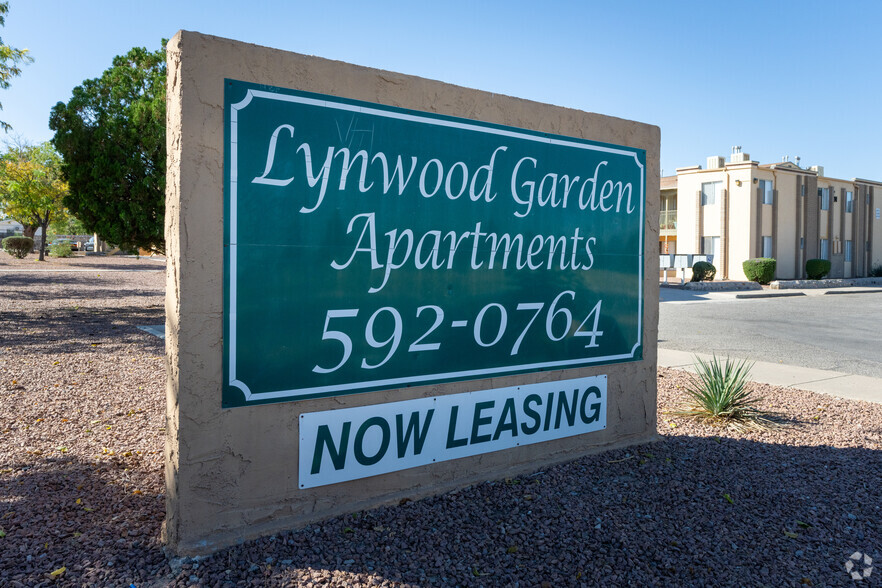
[834, 383]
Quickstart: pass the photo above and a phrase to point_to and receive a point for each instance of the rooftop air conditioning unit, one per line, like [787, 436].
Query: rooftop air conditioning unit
[716, 162]
[740, 157]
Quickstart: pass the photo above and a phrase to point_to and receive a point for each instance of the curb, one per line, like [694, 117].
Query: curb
[826, 283]
[776, 294]
[876, 291]
[712, 287]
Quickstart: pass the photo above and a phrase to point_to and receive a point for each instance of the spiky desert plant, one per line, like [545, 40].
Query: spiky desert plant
[720, 393]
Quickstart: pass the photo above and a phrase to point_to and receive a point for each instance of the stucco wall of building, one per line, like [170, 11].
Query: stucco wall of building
[741, 219]
[786, 241]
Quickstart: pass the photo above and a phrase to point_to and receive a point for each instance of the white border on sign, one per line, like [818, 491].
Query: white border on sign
[294, 393]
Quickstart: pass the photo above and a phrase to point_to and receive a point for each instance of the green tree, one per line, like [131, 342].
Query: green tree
[112, 137]
[10, 58]
[31, 187]
[66, 224]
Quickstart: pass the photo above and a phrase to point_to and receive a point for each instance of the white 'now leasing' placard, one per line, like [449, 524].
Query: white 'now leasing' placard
[353, 443]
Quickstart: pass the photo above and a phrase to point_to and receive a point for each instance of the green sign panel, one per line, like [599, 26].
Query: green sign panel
[370, 247]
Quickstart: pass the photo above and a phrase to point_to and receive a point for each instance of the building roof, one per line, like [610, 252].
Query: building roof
[787, 166]
[8, 223]
[670, 182]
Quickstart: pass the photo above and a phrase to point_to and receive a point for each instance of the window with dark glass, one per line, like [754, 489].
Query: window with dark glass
[767, 190]
[824, 195]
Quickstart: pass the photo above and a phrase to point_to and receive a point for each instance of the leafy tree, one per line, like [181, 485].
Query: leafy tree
[112, 136]
[31, 187]
[17, 145]
[10, 58]
[66, 224]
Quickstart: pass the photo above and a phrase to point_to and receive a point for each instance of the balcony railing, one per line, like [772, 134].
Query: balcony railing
[668, 220]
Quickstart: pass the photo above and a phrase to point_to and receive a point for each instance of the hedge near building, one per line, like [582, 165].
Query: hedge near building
[816, 269]
[760, 269]
[703, 271]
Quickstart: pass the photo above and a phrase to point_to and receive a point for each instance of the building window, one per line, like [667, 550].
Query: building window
[849, 253]
[767, 247]
[710, 246]
[802, 242]
[849, 201]
[802, 190]
[824, 195]
[709, 191]
[766, 190]
[825, 249]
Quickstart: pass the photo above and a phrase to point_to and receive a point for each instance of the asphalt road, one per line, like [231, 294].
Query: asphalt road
[841, 332]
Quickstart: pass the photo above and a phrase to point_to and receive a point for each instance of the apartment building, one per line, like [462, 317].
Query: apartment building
[741, 209]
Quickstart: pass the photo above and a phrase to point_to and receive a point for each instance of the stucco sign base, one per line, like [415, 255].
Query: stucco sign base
[233, 468]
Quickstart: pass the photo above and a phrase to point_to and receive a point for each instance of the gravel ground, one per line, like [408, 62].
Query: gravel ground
[81, 434]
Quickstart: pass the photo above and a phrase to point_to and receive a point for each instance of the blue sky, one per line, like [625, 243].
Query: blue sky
[795, 78]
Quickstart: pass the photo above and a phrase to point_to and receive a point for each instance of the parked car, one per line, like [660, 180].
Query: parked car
[72, 244]
[89, 245]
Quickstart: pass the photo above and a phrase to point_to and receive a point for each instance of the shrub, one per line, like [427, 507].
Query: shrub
[761, 269]
[876, 272]
[816, 269]
[720, 393]
[703, 271]
[60, 250]
[18, 247]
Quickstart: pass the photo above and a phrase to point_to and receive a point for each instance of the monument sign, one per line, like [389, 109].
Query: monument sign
[381, 287]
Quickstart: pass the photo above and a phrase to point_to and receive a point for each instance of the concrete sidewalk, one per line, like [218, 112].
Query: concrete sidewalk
[833, 383]
[676, 295]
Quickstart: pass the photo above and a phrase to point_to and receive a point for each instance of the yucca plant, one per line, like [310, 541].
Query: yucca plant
[720, 392]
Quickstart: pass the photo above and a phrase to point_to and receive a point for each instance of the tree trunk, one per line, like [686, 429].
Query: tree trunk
[44, 224]
[29, 230]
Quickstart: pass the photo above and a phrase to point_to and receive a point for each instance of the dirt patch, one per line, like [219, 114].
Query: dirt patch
[82, 406]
